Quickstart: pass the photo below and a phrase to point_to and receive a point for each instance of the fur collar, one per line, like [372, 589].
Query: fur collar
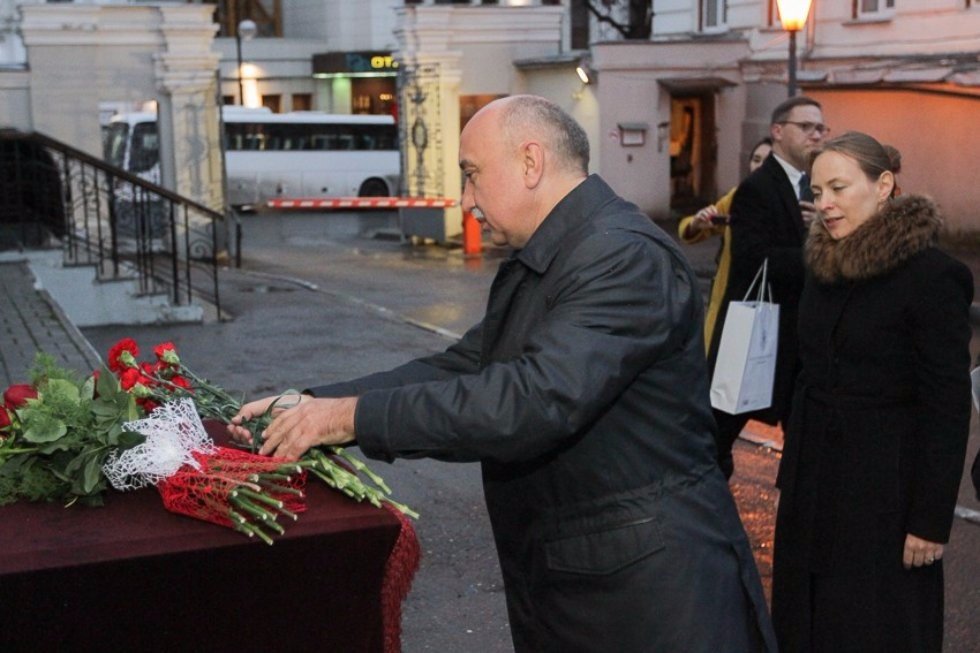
[903, 228]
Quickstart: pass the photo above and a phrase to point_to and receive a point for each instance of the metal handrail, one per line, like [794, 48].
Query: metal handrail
[124, 225]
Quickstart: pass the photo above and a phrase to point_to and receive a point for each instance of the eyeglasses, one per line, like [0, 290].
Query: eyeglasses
[809, 127]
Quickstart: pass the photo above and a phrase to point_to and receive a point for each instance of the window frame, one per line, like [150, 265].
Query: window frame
[879, 12]
[722, 24]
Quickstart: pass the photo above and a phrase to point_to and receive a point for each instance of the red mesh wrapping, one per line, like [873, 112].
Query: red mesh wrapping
[203, 494]
[399, 571]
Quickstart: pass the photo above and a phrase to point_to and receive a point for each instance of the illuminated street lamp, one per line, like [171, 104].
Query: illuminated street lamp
[792, 14]
[246, 30]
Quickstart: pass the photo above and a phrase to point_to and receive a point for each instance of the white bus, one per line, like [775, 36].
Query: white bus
[269, 155]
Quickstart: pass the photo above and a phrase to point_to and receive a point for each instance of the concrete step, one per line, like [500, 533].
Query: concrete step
[87, 302]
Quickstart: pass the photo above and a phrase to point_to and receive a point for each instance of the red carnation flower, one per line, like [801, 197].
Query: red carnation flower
[149, 370]
[17, 395]
[130, 377]
[181, 382]
[148, 404]
[166, 354]
[123, 355]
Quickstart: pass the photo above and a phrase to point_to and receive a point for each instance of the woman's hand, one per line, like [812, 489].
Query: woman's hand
[701, 221]
[920, 552]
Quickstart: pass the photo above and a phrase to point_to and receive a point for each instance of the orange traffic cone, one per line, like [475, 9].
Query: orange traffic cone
[472, 234]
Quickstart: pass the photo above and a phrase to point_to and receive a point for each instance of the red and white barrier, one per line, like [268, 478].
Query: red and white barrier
[361, 203]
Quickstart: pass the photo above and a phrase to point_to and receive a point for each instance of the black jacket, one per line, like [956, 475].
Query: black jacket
[583, 393]
[877, 439]
[766, 222]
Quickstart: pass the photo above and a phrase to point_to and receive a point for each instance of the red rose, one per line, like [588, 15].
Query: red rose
[17, 395]
[4, 419]
[123, 355]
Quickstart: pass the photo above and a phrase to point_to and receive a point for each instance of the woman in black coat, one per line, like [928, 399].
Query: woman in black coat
[877, 438]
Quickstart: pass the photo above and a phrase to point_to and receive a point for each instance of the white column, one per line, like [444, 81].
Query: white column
[429, 80]
[190, 152]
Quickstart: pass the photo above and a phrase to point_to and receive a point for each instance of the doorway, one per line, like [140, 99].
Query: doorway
[693, 151]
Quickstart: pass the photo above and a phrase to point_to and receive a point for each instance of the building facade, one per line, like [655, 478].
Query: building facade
[704, 84]
[673, 93]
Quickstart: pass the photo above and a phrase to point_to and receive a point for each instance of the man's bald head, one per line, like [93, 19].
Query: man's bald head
[522, 117]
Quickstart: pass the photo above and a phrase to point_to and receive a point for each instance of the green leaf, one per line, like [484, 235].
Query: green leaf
[60, 391]
[92, 473]
[42, 427]
[88, 388]
[129, 439]
[62, 444]
[85, 471]
[104, 408]
[108, 384]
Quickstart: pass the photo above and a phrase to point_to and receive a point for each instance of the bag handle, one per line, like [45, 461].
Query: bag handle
[763, 286]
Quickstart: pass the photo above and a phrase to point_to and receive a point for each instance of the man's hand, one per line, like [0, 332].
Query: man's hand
[293, 431]
[920, 552]
[256, 409]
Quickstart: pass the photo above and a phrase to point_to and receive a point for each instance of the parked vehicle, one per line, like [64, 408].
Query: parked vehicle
[269, 155]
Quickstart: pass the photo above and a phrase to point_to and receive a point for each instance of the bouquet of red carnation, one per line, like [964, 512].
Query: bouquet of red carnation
[168, 379]
[224, 486]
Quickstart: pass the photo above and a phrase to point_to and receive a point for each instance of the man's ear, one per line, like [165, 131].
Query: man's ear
[533, 161]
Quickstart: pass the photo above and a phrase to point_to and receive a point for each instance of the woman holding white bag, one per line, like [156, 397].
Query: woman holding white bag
[877, 438]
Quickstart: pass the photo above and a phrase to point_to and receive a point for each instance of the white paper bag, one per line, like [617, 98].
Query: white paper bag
[746, 363]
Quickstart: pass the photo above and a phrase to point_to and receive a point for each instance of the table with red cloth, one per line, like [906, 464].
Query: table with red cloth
[131, 576]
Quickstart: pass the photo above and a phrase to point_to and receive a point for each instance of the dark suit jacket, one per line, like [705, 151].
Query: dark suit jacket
[766, 222]
[583, 393]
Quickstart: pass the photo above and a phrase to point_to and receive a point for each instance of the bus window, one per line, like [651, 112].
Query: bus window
[145, 147]
[115, 144]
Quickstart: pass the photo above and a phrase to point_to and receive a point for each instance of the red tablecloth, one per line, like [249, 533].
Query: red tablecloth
[133, 577]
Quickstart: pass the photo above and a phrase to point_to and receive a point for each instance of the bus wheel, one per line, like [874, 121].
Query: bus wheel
[373, 188]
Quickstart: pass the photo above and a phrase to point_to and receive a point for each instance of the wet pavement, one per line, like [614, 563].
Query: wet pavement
[312, 305]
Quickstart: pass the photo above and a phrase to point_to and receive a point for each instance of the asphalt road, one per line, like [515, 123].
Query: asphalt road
[317, 300]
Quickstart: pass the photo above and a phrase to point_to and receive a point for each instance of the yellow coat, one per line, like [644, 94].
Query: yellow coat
[720, 282]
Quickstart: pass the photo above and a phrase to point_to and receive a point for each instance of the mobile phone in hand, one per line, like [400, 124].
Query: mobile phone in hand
[719, 219]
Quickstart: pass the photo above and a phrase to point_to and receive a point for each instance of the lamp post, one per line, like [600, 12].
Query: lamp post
[792, 14]
[246, 30]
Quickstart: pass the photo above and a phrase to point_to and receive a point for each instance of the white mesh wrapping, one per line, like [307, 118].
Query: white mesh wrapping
[172, 432]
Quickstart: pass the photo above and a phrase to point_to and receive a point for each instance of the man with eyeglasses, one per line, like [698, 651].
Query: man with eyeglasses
[769, 215]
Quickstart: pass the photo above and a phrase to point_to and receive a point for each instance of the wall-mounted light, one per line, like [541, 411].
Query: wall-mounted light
[585, 75]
